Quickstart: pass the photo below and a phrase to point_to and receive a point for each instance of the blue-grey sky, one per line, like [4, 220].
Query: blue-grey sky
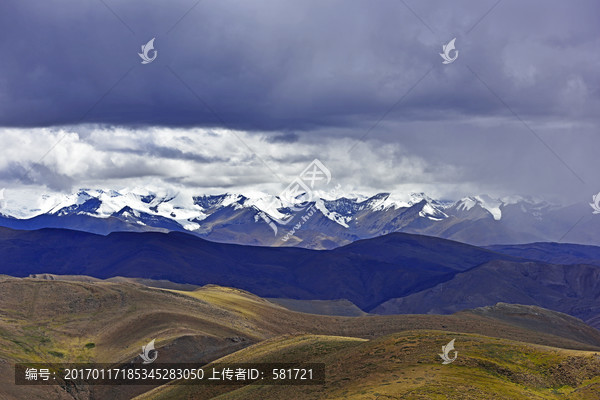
[358, 84]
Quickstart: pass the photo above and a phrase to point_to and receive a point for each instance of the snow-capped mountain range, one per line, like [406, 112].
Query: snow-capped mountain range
[262, 219]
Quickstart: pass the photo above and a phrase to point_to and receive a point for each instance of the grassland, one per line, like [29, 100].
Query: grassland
[99, 321]
[406, 366]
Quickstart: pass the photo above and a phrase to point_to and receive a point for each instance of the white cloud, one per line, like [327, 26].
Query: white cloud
[204, 160]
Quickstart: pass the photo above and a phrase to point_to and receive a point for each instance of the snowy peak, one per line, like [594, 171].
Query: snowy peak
[474, 204]
[189, 210]
[483, 205]
[379, 202]
[431, 210]
[89, 206]
[222, 200]
[228, 214]
[343, 206]
[415, 198]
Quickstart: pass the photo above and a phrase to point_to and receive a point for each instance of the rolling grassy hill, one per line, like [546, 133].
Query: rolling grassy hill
[99, 321]
[405, 366]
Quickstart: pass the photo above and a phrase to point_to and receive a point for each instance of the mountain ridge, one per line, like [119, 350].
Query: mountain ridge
[322, 223]
[268, 271]
[396, 273]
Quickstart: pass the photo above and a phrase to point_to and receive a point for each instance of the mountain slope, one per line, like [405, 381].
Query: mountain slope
[406, 366]
[396, 273]
[421, 250]
[361, 273]
[572, 289]
[554, 253]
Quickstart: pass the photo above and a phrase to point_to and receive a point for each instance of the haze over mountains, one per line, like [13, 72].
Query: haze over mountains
[326, 222]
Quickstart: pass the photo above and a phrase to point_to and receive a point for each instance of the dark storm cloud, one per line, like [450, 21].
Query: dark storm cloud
[155, 151]
[36, 174]
[288, 137]
[293, 65]
[515, 113]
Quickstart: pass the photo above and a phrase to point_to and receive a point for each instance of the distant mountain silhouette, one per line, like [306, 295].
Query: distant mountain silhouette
[572, 289]
[554, 253]
[367, 272]
[395, 273]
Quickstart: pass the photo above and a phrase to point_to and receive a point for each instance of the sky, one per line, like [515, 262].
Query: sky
[243, 95]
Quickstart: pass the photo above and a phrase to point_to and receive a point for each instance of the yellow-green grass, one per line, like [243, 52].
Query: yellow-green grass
[55, 320]
[407, 366]
[239, 301]
[62, 321]
[72, 321]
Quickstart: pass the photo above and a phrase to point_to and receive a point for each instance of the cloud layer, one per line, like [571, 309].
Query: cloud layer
[357, 84]
[218, 160]
[294, 65]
